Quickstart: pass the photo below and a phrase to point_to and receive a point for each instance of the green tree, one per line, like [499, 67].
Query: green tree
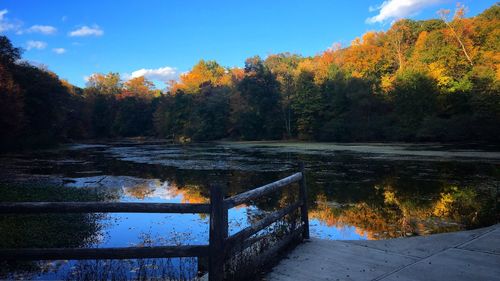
[259, 90]
[307, 104]
[415, 98]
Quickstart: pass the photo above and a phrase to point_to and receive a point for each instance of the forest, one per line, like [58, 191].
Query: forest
[432, 80]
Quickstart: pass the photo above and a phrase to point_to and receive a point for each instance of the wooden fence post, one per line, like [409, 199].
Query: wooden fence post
[217, 234]
[303, 197]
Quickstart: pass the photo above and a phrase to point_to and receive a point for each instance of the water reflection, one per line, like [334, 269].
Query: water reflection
[352, 195]
[350, 198]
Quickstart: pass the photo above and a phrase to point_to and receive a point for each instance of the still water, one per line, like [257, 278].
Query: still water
[356, 191]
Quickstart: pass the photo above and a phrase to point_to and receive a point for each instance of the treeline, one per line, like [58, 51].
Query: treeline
[432, 80]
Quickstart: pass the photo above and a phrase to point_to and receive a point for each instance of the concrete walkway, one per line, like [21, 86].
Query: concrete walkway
[467, 255]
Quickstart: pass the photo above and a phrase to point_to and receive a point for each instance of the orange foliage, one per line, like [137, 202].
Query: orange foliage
[138, 87]
[204, 73]
[189, 193]
[363, 57]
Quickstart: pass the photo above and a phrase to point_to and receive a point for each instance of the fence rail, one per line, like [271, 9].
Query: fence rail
[101, 207]
[220, 246]
[105, 253]
[261, 191]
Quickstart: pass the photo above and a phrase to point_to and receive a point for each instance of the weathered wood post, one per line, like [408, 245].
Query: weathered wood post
[303, 198]
[217, 236]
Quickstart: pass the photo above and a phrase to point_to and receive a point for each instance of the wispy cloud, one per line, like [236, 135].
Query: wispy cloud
[87, 31]
[334, 47]
[44, 29]
[59, 51]
[6, 24]
[35, 45]
[395, 9]
[163, 74]
[3, 13]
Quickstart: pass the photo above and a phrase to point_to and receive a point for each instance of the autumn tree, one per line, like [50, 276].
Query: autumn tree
[364, 58]
[432, 80]
[138, 87]
[399, 40]
[203, 73]
[457, 28]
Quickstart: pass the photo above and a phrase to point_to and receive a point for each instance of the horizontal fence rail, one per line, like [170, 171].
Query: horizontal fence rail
[261, 224]
[261, 191]
[101, 207]
[105, 253]
[220, 246]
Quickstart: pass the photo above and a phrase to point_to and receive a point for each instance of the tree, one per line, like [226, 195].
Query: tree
[173, 116]
[415, 98]
[101, 93]
[138, 87]
[260, 92]
[283, 66]
[308, 105]
[12, 119]
[399, 42]
[211, 114]
[202, 74]
[104, 84]
[457, 18]
[364, 58]
[435, 79]
[8, 53]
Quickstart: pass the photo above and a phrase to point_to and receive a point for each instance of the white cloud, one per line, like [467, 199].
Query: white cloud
[44, 29]
[394, 9]
[59, 51]
[5, 24]
[3, 13]
[87, 31]
[163, 74]
[35, 45]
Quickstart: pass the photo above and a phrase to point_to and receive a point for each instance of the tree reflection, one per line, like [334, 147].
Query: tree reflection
[392, 205]
[397, 215]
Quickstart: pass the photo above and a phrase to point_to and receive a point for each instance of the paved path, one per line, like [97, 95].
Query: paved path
[467, 255]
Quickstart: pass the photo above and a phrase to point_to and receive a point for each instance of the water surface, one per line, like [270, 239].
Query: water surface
[356, 191]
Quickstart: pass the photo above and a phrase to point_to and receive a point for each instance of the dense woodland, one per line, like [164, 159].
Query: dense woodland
[432, 80]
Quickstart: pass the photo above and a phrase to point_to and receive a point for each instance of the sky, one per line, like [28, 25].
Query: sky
[161, 39]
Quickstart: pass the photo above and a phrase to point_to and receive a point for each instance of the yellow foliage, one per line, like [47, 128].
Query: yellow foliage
[438, 72]
[442, 207]
[390, 197]
[306, 65]
[387, 83]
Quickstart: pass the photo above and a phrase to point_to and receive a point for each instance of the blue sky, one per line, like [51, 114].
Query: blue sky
[161, 38]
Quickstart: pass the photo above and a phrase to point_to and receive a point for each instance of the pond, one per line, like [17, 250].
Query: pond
[356, 191]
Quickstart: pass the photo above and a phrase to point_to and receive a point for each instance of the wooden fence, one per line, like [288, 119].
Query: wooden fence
[220, 246]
